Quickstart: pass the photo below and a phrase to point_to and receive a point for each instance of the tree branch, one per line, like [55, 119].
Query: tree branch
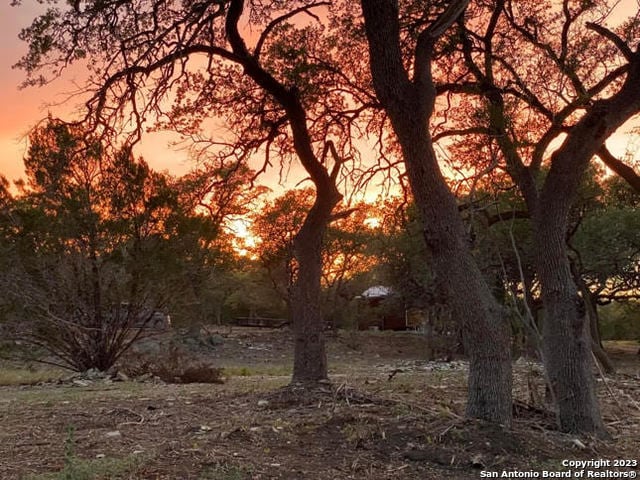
[620, 168]
[276, 21]
[615, 39]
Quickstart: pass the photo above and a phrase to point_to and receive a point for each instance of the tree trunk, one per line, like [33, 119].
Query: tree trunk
[566, 337]
[310, 357]
[592, 315]
[485, 327]
[409, 103]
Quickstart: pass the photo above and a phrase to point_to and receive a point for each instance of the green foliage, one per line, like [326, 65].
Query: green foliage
[94, 229]
[609, 240]
[405, 268]
[620, 321]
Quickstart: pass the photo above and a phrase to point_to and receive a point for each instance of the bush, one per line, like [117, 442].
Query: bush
[620, 321]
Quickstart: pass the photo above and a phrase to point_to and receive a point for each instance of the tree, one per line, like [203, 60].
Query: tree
[605, 251]
[200, 248]
[408, 96]
[274, 97]
[345, 253]
[97, 242]
[561, 86]
[275, 227]
[80, 278]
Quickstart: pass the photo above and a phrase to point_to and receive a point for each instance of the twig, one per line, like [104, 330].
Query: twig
[604, 380]
[127, 410]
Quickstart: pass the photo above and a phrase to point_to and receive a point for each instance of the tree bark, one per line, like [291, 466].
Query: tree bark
[409, 104]
[566, 341]
[566, 337]
[310, 358]
[485, 328]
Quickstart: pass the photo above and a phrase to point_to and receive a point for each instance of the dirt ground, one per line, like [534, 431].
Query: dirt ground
[387, 414]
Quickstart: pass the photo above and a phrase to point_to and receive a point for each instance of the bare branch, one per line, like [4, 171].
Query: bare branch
[620, 168]
[615, 39]
[276, 21]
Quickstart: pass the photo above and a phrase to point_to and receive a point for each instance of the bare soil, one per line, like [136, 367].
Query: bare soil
[387, 414]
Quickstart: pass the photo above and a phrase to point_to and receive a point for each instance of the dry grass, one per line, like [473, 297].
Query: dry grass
[368, 424]
[15, 374]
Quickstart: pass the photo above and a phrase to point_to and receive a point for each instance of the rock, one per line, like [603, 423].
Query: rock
[81, 383]
[94, 374]
[144, 377]
[477, 461]
[263, 403]
[121, 377]
[113, 434]
[214, 340]
[579, 444]
[100, 455]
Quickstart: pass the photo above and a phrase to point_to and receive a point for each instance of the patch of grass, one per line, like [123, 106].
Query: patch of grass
[81, 469]
[67, 393]
[99, 468]
[17, 375]
[225, 472]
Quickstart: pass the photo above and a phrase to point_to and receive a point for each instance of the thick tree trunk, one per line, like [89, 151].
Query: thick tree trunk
[409, 103]
[566, 336]
[310, 358]
[485, 328]
[310, 362]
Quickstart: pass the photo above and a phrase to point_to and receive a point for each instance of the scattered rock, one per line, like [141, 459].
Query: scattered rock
[81, 383]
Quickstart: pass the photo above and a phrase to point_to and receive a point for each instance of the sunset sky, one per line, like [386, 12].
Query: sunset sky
[21, 109]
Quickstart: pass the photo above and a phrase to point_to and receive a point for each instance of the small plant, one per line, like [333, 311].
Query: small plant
[79, 469]
[70, 470]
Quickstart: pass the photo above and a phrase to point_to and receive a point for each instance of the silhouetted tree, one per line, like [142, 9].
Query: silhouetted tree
[271, 90]
[403, 81]
[547, 76]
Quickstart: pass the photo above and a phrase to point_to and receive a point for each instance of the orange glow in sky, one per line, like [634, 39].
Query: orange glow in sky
[22, 109]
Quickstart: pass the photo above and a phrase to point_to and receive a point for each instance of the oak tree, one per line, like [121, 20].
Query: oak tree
[549, 76]
[403, 81]
[253, 65]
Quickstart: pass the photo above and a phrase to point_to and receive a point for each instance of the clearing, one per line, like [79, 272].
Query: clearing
[388, 414]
